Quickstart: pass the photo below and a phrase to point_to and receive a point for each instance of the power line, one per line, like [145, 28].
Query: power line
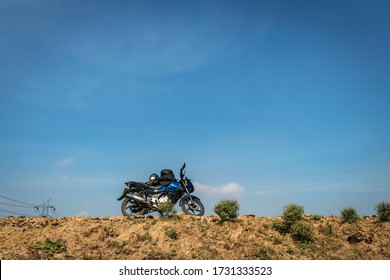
[42, 209]
[14, 200]
[4, 203]
[11, 212]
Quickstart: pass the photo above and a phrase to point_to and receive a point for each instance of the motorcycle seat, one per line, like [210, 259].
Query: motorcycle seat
[137, 185]
[152, 191]
[147, 187]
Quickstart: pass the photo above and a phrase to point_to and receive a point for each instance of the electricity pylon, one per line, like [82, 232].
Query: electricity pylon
[43, 209]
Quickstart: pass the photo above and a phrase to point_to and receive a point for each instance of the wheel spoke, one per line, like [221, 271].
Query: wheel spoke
[130, 208]
[193, 207]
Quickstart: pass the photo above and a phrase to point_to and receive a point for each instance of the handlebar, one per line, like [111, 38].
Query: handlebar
[181, 171]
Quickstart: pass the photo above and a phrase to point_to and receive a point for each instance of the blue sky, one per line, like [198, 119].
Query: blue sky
[268, 102]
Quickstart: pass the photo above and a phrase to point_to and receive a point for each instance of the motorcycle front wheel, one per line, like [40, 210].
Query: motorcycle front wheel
[131, 208]
[192, 207]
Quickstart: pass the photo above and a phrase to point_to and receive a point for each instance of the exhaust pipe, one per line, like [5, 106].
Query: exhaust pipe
[137, 198]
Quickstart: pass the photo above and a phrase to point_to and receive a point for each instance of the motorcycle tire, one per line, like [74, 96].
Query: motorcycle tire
[130, 208]
[196, 209]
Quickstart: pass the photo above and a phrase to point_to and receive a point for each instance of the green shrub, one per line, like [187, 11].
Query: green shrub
[261, 253]
[302, 231]
[316, 217]
[292, 222]
[171, 233]
[292, 213]
[383, 211]
[281, 226]
[166, 209]
[227, 209]
[349, 215]
[326, 229]
[49, 246]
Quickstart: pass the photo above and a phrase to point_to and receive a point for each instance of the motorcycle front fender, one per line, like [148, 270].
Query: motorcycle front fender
[125, 191]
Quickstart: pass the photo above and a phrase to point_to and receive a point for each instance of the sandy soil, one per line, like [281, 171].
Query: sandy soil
[185, 237]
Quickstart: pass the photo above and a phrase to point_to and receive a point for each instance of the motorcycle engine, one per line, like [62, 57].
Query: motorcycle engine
[163, 199]
[159, 199]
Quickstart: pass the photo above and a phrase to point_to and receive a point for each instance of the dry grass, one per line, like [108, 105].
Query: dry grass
[187, 238]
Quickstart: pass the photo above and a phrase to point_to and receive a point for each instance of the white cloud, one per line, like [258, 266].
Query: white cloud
[231, 188]
[83, 214]
[65, 162]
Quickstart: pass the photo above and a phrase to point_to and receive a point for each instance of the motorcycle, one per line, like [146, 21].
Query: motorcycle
[143, 198]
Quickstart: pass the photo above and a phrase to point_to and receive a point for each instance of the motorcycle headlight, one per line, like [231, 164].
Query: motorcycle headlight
[190, 187]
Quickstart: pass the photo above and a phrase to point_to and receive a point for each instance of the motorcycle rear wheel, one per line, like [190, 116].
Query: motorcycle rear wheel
[131, 208]
[195, 207]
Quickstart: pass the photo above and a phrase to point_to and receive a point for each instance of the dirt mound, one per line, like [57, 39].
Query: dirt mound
[186, 237]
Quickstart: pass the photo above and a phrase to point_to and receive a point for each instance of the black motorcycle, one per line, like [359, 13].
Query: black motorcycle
[143, 198]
